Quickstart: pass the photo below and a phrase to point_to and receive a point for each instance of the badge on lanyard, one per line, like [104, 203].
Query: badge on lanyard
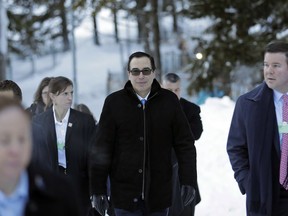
[283, 127]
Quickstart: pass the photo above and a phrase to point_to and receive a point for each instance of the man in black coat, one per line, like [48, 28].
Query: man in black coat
[172, 82]
[138, 128]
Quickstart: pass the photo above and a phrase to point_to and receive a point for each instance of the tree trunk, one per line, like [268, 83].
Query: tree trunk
[174, 15]
[2, 67]
[141, 19]
[115, 19]
[3, 40]
[156, 38]
[95, 28]
[66, 44]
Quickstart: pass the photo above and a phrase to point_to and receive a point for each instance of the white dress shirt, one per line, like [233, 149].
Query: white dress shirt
[61, 128]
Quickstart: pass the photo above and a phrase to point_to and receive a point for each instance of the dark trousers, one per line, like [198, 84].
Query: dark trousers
[141, 211]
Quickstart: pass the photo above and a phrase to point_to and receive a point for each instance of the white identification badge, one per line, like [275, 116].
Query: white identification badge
[283, 127]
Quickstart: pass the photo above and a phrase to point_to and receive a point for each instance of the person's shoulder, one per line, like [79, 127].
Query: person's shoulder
[81, 115]
[167, 93]
[42, 115]
[188, 103]
[254, 94]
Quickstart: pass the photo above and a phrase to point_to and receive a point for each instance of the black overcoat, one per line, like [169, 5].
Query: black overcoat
[192, 113]
[133, 145]
[254, 150]
[50, 194]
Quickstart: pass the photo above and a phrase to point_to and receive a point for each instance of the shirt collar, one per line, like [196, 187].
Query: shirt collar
[140, 98]
[277, 96]
[21, 190]
[65, 119]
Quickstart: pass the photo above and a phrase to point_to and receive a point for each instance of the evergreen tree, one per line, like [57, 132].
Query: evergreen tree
[237, 36]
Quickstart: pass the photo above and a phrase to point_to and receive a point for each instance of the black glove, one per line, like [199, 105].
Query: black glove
[187, 194]
[100, 203]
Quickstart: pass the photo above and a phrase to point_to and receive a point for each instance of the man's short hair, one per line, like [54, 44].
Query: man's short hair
[9, 85]
[139, 55]
[171, 77]
[277, 47]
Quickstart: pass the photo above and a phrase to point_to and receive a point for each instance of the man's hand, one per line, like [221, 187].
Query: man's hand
[100, 203]
[187, 194]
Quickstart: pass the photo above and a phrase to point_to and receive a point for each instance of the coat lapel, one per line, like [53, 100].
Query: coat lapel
[70, 125]
[52, 139]
[266, 116]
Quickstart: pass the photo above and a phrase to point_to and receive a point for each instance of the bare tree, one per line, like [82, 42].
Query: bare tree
[156, 37]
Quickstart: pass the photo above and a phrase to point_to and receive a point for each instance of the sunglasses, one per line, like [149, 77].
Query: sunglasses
[137, 71]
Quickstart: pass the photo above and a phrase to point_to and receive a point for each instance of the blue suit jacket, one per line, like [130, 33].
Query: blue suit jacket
[254, 150]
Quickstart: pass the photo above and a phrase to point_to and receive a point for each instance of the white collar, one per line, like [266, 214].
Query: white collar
[64, 120]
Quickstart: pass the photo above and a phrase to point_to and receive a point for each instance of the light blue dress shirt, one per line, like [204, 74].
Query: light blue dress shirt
[278, 102]
[15, 203]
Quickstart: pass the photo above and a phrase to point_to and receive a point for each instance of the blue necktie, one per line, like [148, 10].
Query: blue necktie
[143, 101]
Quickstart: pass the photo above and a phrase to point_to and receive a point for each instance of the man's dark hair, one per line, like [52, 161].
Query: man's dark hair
[171, 77]
[139, 55]
[277, 47]
[7, 85]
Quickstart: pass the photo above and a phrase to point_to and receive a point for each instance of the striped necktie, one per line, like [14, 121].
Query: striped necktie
[284, 151]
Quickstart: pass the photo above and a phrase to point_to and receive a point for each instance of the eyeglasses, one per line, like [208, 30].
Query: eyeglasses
[137, 71]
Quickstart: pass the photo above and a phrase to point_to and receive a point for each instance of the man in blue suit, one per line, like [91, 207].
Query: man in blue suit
[256, 137]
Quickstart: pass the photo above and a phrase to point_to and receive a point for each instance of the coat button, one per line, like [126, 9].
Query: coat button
[140, 170]
[139, 105]
[141, 138]
[135, 200]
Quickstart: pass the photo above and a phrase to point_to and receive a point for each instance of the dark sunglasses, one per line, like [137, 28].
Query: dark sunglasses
[137, 71]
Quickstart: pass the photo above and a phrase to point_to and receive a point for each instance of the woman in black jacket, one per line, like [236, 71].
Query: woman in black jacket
[68, 133]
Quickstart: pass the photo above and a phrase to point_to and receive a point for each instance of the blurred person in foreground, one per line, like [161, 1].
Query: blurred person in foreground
[172, 82]
[68, 133]
[138, 128]
[41, 97]
[257, 139]
[40, 155]
[9, 88]
[25, 191]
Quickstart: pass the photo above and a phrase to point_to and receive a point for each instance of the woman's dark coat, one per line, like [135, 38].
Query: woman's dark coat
[254, 150]
[119, 148]
[50, 194]
[79, 132]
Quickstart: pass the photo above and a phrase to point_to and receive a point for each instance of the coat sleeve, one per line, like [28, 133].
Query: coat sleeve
[237, 146]
[195, 122]
[101, 151]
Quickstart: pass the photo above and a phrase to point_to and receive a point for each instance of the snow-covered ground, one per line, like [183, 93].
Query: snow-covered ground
[219, 190]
